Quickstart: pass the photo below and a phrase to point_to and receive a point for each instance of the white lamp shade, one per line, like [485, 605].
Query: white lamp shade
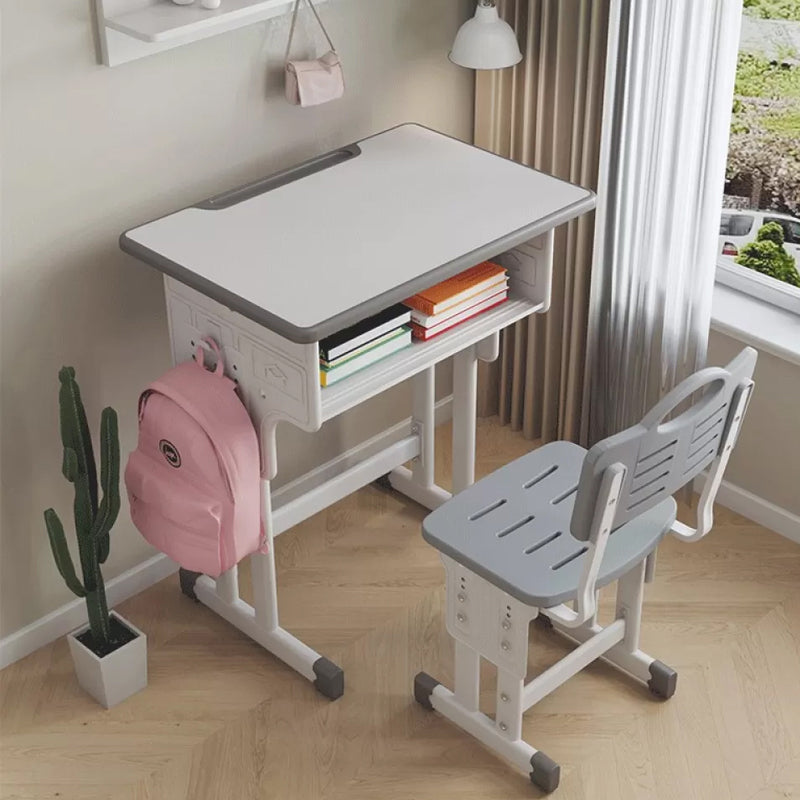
[486, 42]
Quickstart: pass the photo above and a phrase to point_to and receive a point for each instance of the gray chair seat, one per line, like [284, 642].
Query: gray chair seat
[513, 528]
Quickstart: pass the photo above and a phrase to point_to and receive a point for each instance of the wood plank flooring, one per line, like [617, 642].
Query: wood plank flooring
[223, 720]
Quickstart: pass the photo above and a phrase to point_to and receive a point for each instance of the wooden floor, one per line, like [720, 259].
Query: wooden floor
[223, 720]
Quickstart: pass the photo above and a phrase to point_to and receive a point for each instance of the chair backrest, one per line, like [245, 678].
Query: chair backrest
[661, 455]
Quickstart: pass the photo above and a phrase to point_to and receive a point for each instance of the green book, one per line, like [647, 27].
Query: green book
[330, 375]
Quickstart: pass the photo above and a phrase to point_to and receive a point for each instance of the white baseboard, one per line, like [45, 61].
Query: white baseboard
[443, 410]
[61, 621]
[755, 508]
[70, 616]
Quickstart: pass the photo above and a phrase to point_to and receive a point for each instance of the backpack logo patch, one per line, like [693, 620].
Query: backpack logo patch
[170, 452]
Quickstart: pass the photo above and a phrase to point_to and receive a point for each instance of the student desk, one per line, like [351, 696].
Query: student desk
[271, 268]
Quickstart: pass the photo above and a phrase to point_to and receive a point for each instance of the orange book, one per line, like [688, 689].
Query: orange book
[460, 287]
[423, 334]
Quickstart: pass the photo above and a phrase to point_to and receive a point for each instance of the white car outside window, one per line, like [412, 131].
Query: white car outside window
[738, 227]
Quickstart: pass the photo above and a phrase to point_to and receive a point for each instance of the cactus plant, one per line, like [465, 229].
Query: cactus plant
[93, 519]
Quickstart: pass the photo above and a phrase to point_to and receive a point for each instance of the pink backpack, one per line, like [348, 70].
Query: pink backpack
[194, 479]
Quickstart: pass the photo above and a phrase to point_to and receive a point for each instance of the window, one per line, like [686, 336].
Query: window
[763, 170]
[736, 224]
[791, 229]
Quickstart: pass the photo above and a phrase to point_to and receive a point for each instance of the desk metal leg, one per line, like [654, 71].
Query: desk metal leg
[262, 569]
[260, 621]
[465, 400]
[227, 584]
[418, 482]
[424, 425]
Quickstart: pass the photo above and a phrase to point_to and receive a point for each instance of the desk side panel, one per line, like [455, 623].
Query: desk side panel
[278, 379]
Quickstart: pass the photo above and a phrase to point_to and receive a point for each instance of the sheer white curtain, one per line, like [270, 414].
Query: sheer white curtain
[668, 95]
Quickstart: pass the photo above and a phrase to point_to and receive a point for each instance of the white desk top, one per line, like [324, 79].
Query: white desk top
[312, 255]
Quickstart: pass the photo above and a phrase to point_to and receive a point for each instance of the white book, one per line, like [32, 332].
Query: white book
[367, 330]
[432, 320]
[329, 376]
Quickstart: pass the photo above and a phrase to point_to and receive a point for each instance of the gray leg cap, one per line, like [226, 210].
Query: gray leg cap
[544, 622]
[330, 678]
[663, 680]
[424, 685]
[383, 482]
[545, 773]
[188, 580]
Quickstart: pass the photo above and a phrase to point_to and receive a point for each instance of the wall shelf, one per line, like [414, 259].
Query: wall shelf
[131, 29]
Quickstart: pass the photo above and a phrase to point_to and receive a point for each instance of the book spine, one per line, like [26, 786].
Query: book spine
[418, 332]
[423, 333]
[420, 304]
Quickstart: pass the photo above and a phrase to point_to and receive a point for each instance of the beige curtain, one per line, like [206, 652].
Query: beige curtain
[547, 113]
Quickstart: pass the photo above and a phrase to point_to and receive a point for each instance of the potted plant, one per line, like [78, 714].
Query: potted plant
[110, 654]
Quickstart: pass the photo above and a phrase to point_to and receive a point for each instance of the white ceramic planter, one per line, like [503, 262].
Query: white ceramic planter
[113, 678]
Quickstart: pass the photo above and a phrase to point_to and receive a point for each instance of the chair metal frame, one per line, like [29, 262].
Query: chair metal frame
[485, 621]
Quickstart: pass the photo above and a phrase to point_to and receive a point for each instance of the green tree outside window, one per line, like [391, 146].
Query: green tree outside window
[768, 256]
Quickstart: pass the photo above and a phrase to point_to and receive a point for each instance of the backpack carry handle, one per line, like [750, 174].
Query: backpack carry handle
[199, 355]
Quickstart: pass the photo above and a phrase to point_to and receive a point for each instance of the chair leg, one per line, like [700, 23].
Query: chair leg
[498, 735]
[661, 679]
[467, 678]
[483, 620]
[626, 656]
[509, 707]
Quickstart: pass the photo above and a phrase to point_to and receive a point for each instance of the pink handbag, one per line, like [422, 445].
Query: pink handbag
[194, 482]
[311, 83]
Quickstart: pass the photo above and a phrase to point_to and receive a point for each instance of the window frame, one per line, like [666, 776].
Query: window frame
[761, 287]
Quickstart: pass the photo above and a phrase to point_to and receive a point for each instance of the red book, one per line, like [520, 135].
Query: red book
[424, 334]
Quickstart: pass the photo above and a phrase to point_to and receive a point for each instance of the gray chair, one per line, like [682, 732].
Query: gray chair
[554, 526]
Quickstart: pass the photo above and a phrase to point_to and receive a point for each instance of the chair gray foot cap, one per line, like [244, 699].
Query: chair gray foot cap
[545, 773]
[424, 685]
[544, 622]
[663, 680]
[383, 482]
[188, 580]
[330, 678]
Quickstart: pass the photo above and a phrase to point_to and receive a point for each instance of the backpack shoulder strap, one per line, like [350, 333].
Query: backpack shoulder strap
[189, 385]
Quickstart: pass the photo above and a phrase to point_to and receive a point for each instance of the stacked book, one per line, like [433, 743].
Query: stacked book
[347, 351]
[457, 299]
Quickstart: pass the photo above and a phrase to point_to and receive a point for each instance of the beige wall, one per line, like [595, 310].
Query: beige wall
[88, 151]
[766, 460]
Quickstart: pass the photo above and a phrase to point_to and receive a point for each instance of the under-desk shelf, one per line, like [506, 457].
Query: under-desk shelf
[135, 28]
[396, 368]
[279, 379]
